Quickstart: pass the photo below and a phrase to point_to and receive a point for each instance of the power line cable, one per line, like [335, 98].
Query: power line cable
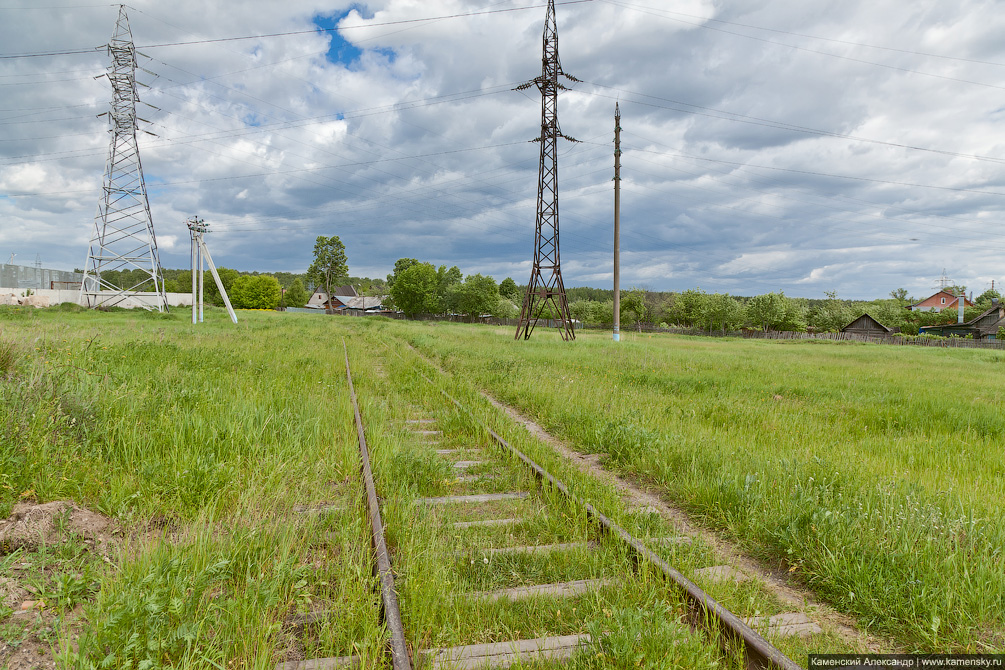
[714, 113]
[807, 49]
[749, 166]
[815, 37]
[313, 31]
[319, 29]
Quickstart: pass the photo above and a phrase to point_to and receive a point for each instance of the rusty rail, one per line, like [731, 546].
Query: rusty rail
[392, 614]
[730, 628]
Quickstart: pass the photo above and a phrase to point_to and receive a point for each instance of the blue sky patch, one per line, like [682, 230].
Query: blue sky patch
[340, 50]
[387, 53]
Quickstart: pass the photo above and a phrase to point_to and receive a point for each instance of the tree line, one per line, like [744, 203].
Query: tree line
[255, 290]
[415, 287]
[722, 312]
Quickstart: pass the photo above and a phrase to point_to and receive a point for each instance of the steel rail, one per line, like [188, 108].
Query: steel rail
[400, 659]
[731, 629]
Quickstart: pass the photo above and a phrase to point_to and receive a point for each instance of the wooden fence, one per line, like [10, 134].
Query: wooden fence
[898, 340]
[901, 340]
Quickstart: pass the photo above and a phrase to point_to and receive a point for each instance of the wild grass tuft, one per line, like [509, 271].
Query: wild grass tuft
[8, 358]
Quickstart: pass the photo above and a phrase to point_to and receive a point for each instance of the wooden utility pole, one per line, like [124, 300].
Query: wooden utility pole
[617, 222]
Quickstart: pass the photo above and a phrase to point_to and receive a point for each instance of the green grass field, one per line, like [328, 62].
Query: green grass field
[872, 473]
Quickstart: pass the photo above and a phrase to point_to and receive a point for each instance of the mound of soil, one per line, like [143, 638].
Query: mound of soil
[31, 526]
[11, 593]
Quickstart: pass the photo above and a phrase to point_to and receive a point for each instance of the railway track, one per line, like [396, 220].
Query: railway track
[488, 549]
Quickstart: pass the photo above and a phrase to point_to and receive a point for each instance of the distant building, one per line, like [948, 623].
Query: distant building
[31, 277]
[364, 304]
[983, 327]
[938, 302]
[340, 294]
[345, 300]
[866, 325]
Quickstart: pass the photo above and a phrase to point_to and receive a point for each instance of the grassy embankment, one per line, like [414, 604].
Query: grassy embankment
[200, 442]
[873, 473]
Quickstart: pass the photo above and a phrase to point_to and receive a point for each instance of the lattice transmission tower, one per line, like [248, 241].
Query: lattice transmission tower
[545, 286]
[123, 236]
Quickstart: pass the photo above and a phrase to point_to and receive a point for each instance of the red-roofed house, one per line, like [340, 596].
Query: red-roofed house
[938, 302]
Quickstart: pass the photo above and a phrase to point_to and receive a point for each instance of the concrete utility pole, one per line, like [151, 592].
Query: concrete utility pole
[617, 222]
[200, 257]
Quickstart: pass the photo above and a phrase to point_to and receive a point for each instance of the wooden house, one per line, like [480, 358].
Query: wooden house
[340, 296]
[983, 327]
[866, 325]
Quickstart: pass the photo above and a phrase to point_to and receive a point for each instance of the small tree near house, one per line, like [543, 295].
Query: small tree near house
[329, 267]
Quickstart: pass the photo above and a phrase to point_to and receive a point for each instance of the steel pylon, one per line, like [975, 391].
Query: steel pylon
[545, 286]
[123, 235]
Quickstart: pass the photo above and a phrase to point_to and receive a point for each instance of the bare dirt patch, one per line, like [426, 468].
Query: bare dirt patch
[30, 654]
[11, 593]
[31, 632]
[32, 526]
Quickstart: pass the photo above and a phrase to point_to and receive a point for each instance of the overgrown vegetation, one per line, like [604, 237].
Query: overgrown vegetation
[200, 441]
[874, 488]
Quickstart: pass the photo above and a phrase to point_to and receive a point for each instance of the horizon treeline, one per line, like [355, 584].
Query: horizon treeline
[693, 308]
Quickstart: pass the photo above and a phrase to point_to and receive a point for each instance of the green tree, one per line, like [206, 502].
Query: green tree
[689, 309]
[400, 266]
[414, 289]
[581, 310]
[633, 306]
[296, 294]
[330, 265]
[983, 301]
[210, 291]
[447, 283]
[900, 295]
[477, 295]
[890, 313]
[593, 311]
[830, 316]
[767, 311]
[506, 309]
[509, 290]
[255, 292]
[184, 281]
[951, 315]
[722, 311]
[795, 314]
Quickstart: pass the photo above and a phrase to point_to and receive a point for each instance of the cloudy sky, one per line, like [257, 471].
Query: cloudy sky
[795, 145]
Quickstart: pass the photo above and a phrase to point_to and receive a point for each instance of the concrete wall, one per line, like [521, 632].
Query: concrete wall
[23, 277]
[136, 300]
[18, 279]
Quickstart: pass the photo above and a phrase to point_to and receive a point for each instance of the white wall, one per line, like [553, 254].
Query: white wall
[136, 300]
